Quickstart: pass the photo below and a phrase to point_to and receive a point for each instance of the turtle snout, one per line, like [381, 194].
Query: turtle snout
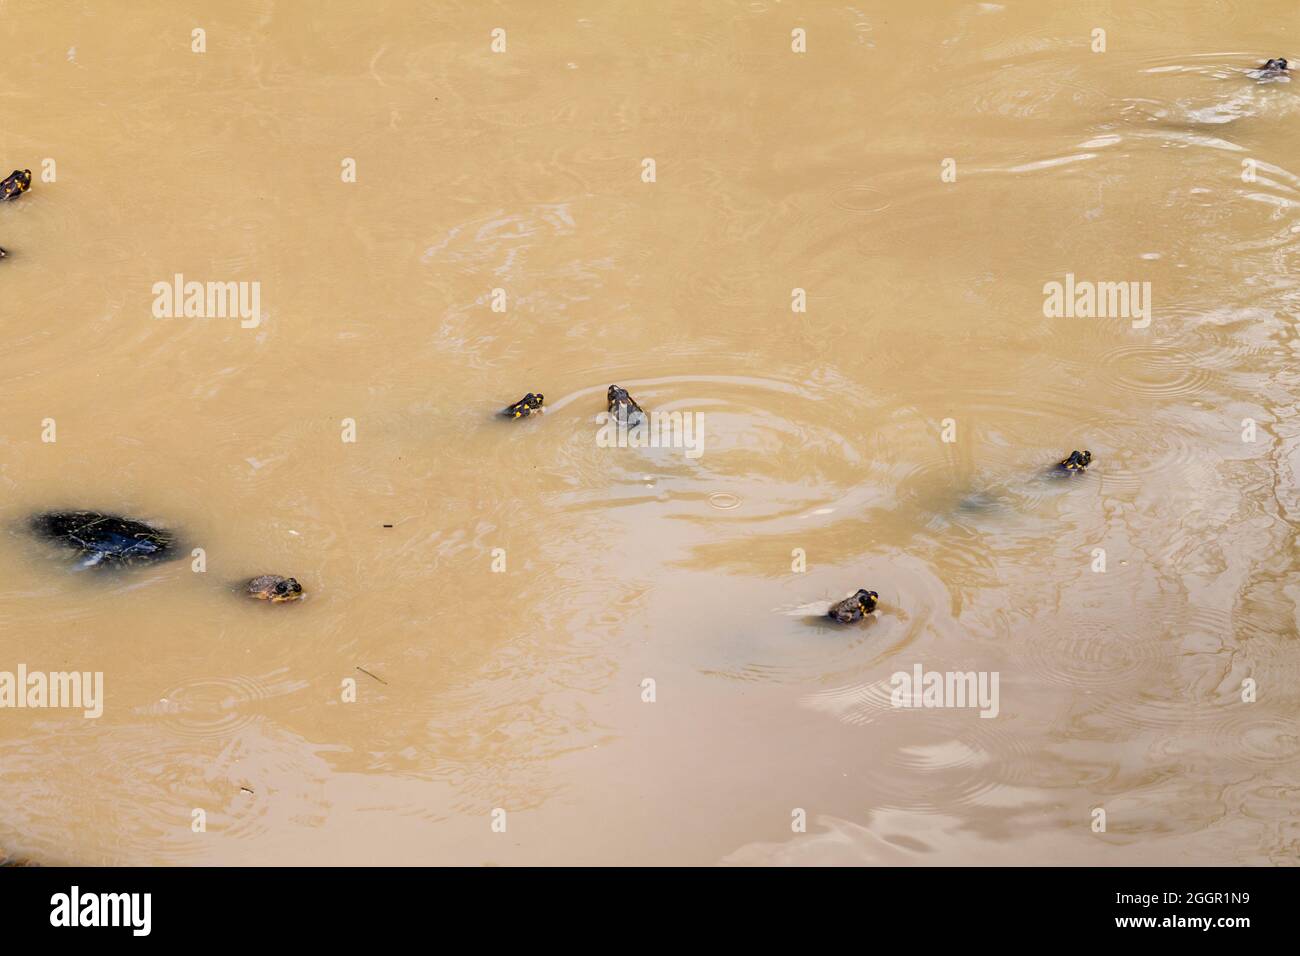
[286, 590]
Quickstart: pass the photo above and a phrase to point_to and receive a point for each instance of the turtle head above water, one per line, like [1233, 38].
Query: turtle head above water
[1273, 71]
[855, 607]
[623, 406]
[867, 600]
[273, 588]
[530, 404]
[1077, 460]
[15, 184]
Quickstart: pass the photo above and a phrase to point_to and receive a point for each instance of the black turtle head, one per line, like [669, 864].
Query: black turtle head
[287, 590]
[1278, 64]
[525, 406]
[15, 184]
[854, 607]
[1077, 461]
[867, 600]
[622, 404]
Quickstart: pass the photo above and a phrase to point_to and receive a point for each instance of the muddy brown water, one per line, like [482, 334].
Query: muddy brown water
[1156, 161]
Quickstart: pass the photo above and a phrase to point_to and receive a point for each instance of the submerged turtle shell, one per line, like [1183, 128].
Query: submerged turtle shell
[100, 538]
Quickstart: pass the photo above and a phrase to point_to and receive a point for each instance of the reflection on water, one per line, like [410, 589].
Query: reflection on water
[864, 337]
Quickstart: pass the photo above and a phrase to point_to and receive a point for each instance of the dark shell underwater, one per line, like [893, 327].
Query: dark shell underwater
[104, 540]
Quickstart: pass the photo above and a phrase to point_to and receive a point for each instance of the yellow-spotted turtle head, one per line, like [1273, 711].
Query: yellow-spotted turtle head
[1276, 65]
[15, 184]
[854, 608]
[530, 404]
[1077, 461]
[273, 588]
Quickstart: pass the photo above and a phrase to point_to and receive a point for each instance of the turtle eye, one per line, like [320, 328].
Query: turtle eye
[281, 588]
